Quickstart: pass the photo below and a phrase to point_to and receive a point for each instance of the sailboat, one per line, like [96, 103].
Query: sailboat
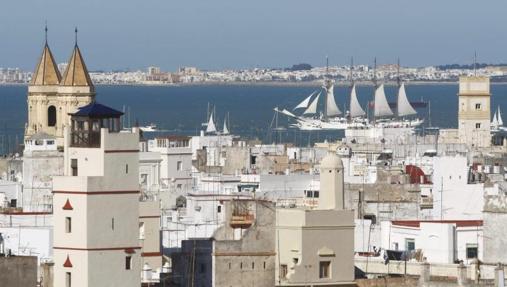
[312, 119]
[211, 128]
[225, 130]
[404, 109]
[497, 122]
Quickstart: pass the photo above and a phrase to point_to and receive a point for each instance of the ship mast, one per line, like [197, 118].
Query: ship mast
[351, 69]
[326, 85]
[374, 83]
[351, 84]
[398, 79]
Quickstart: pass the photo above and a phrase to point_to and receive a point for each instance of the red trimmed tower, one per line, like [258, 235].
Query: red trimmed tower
[96, 203]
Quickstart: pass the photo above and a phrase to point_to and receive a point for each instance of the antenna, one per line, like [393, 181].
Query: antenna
[46, 31]
[398, 80]
[475, 63]
[75, 32]
[327, 65]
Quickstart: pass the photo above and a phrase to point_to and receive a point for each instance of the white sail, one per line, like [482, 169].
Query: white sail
[382, 108]
[225, 131]
[312, 108]
[494, 122]
[304, 104]
[211, 128]
[499, 117]
[355, 108]
[404, 106]
[332, 109]
[287, 113]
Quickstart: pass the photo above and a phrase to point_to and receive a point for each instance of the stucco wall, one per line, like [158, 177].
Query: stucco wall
[18, 271]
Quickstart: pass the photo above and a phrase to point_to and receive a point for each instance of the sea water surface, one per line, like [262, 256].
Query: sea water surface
[183, 109]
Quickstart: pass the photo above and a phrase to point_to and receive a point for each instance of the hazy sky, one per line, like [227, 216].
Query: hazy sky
[217, 34]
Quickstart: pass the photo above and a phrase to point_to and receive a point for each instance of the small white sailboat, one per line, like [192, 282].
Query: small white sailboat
[225, 130]
[497, 122]
[499, 117]
[211, 128]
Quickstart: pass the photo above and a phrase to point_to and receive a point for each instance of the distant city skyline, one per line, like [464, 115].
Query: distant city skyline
[223, 34]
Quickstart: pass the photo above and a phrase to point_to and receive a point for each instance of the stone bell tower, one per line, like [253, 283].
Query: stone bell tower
[51, 97]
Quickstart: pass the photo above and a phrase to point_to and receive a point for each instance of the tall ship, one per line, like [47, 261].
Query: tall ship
[332, 118]
[383, 115]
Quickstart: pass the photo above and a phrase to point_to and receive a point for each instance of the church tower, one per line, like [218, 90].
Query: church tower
[42, 94]
[51, 97]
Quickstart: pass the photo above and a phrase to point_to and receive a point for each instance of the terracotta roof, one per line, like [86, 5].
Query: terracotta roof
[76, 73]
[46, 72]
[417, 223]
[67, 263]
[67, 205]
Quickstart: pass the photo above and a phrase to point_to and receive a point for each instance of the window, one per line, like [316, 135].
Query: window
[202, 268]
[126, 168]
[241, 265]
[68, 225]
[112, 223]
[264, 264]
[141, 230]
[128, 262]
[315, 194]
[409, 244]
[50, 142]
[396, 246]
[472, 251]
[219, 208]
[73, 166]
[253, 265]
[68, 279]
[478, 125]
[229, 265]
[324, 269]
[51, 116]
[283, 271]
[144, 178]
[477, 106]
[179, 165]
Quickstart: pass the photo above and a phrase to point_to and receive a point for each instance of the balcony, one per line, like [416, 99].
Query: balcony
[242, 221]
[426, 202]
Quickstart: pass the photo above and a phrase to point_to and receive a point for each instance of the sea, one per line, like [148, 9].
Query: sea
[184, 109]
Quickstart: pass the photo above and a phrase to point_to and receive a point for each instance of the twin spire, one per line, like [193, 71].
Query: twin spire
[47, 73]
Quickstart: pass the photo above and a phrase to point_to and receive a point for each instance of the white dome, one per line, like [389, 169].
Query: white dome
[331, 160]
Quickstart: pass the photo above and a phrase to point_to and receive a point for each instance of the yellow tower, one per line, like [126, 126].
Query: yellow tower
[474, 117]
[42, 92]
[51, 97]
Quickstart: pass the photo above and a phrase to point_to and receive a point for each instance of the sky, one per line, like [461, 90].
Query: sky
[232, 34]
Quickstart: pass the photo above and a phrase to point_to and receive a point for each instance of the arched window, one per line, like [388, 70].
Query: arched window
[51, 116]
